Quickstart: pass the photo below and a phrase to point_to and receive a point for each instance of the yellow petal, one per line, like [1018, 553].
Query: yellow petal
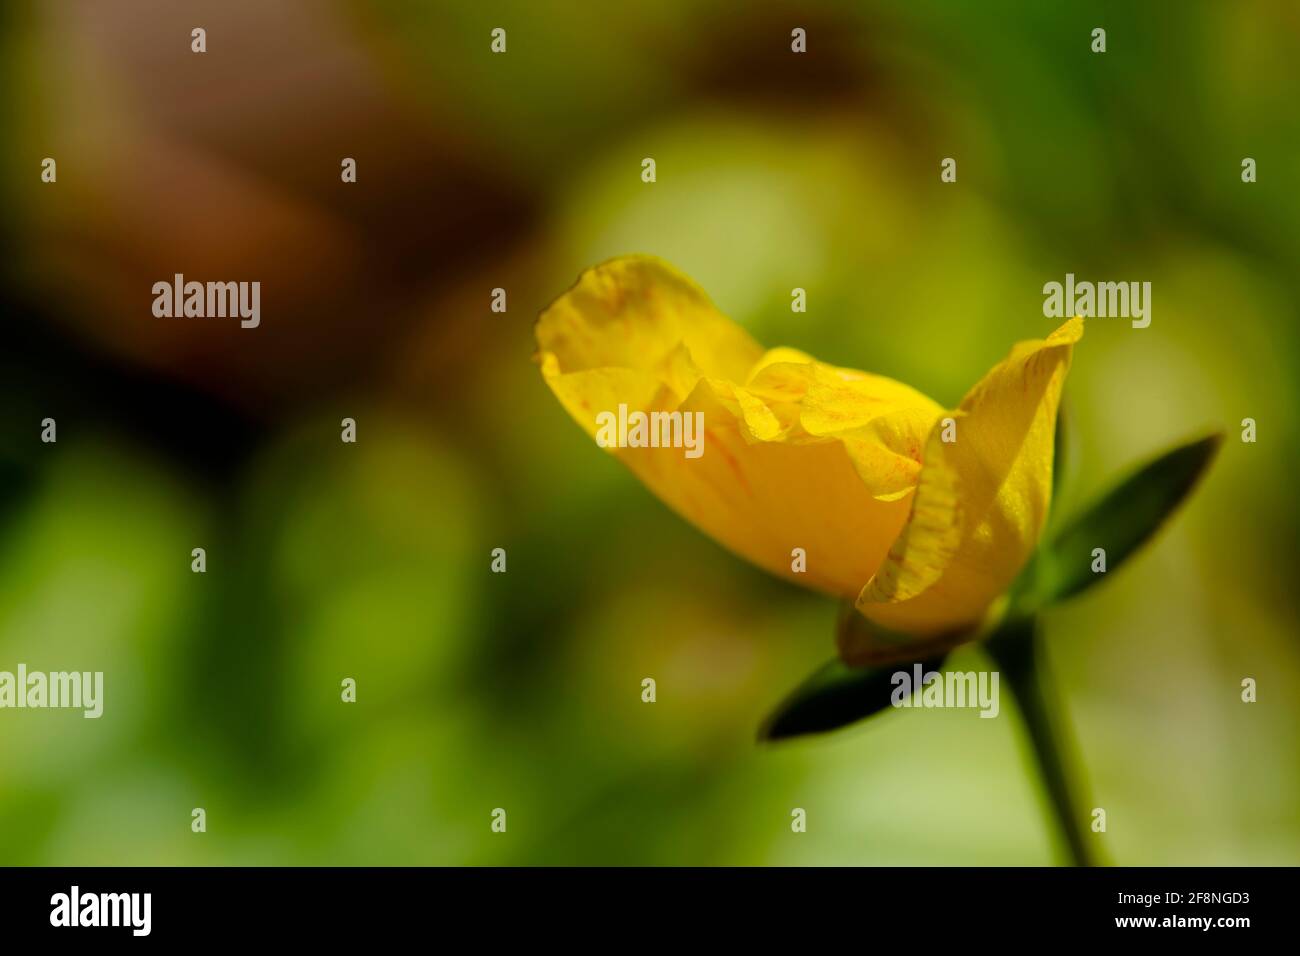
[796, 454]
[639, 313]
[981, 500]
[763, 499]
[881, 423]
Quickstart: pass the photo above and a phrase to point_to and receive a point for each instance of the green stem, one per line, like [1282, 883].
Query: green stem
[1016, 650]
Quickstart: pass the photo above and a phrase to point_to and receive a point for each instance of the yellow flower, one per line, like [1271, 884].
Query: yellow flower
[921, 516]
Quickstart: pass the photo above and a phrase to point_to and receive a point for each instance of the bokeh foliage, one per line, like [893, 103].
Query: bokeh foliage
[522, 690]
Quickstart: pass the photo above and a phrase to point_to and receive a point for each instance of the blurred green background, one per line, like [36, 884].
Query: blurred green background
[522, 690]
